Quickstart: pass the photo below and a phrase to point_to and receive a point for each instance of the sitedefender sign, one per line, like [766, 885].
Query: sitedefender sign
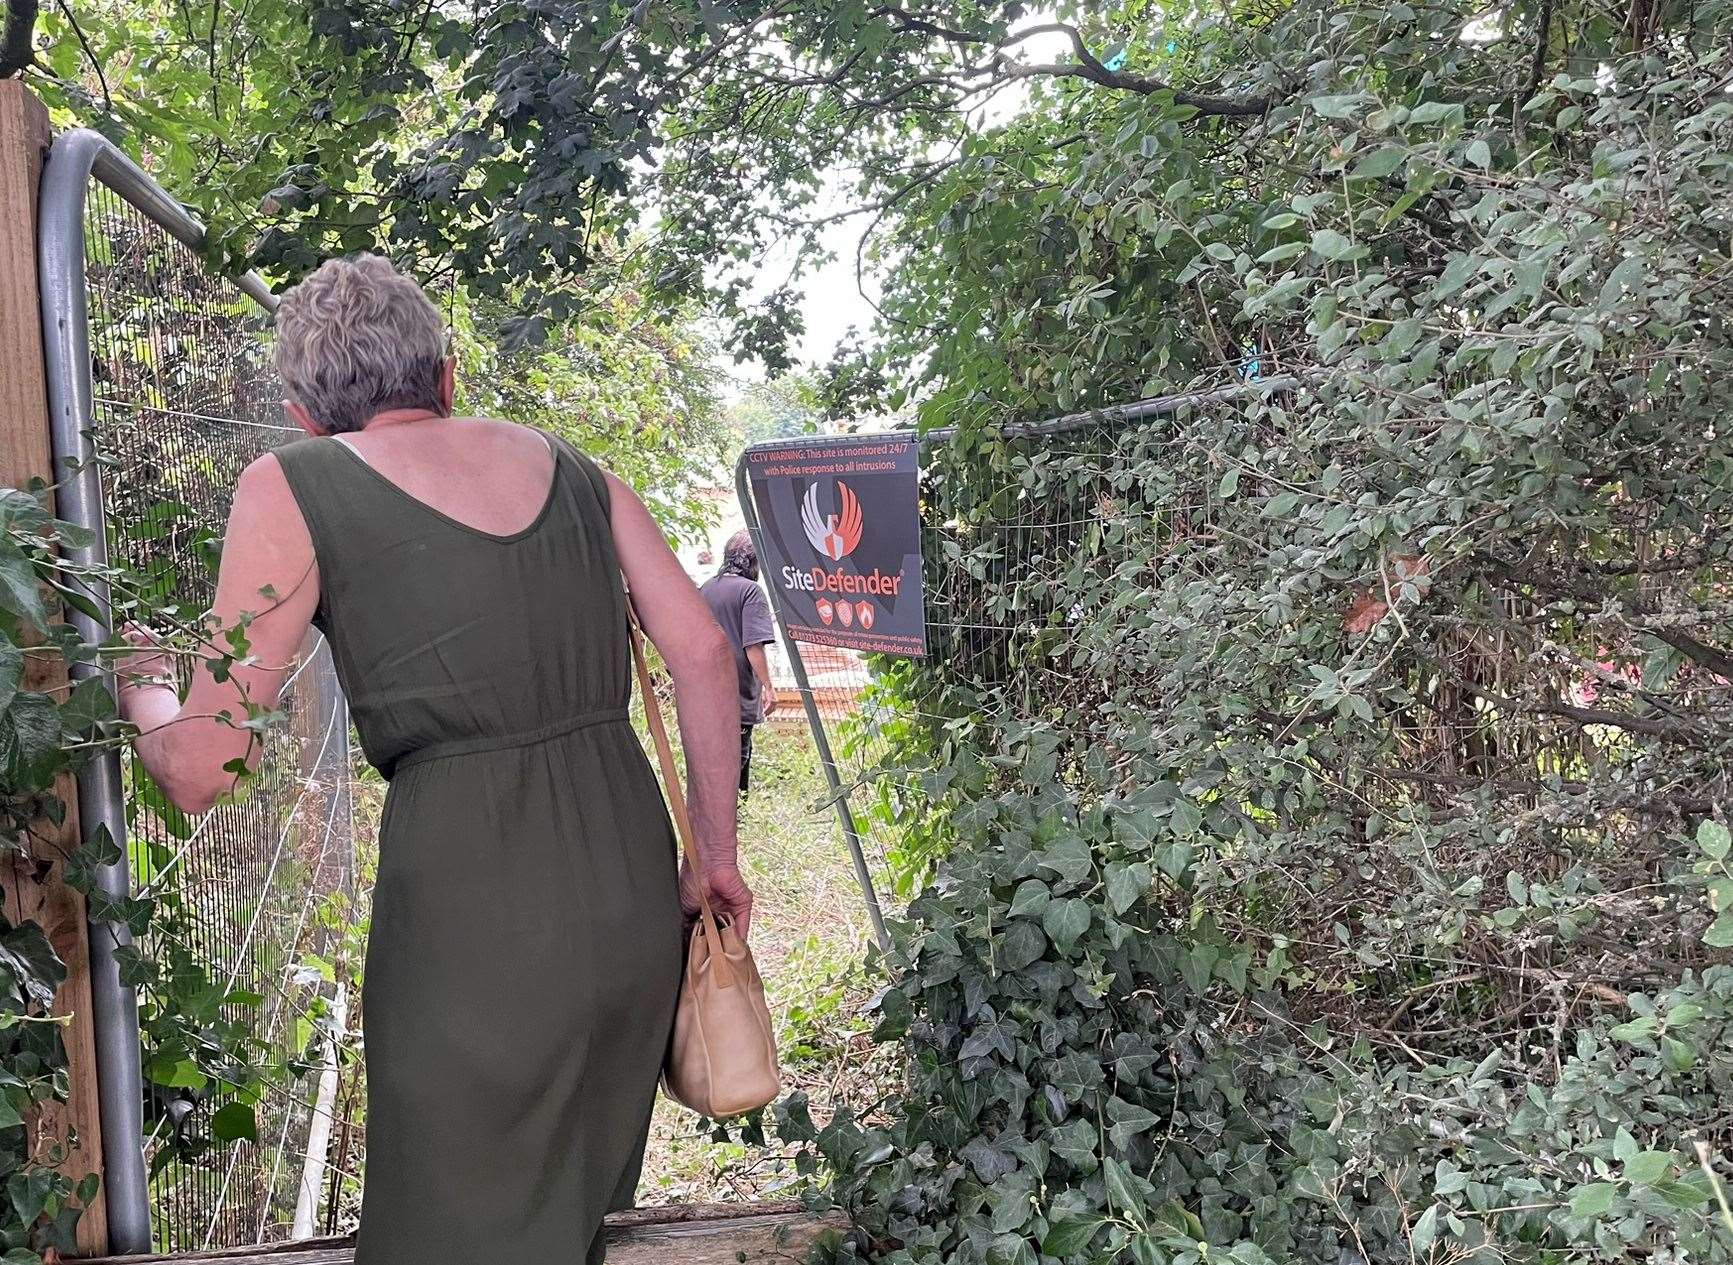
[841, 529]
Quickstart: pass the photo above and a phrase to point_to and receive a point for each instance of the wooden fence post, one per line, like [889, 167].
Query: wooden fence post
[35, 889]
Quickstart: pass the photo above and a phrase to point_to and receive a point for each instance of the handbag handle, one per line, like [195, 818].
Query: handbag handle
[670, 772]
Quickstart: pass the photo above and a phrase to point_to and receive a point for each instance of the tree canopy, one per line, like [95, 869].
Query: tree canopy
[505, 143]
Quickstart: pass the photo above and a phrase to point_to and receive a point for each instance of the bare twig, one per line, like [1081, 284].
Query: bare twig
[90, 53]
[1087, 66]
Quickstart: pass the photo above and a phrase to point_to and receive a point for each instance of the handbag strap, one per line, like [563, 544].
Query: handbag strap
[670, 772]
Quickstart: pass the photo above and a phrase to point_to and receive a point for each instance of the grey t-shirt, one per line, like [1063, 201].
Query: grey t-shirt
[744, 613]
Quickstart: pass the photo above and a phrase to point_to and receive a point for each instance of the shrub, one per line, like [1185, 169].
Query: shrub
[1320, 817]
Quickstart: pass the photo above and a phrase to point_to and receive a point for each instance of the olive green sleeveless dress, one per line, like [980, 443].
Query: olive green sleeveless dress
[525, 951]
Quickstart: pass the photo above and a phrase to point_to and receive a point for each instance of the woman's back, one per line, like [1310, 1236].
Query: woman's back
[526, 862]
[468, 610]
[489, 475]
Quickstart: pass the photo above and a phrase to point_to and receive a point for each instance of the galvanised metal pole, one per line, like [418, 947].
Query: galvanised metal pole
[844, 812]
[76, 158]
[66, 342]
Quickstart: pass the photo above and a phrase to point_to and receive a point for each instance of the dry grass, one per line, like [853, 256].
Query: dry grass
[810, 935]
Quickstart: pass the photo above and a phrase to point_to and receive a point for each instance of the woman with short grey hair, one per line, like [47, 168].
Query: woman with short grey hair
[357, 339]
[525, 949]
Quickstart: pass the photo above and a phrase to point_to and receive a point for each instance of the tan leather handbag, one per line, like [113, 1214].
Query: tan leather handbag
[722, 1060]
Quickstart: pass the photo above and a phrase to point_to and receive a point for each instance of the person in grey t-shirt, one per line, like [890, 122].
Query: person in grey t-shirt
[744, 613]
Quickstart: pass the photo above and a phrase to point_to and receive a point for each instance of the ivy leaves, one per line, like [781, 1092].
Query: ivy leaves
[1052, 1090]
[1714, 844]
[30, 970]
[36, 726]
[1022, 944]
[30, 732]
[41, 1207]
[1304, 879]
[44, 734]
[1065, 920]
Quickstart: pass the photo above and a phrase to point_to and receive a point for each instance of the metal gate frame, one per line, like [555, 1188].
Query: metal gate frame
[77, 158]
[1119, 415]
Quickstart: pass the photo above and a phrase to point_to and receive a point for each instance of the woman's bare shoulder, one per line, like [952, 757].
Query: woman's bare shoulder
[263, 497]
[498, 427]
[263, 477]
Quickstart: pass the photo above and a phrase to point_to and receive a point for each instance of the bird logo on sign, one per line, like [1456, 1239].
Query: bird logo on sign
[833, 535]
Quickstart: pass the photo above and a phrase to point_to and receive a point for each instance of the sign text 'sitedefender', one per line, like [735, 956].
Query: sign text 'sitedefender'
[841, 540]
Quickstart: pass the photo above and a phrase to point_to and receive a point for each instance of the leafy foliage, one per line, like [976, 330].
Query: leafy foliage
[516, 147]
[200, 1040]
[1320, 816]
[778, 409]
[42, 735]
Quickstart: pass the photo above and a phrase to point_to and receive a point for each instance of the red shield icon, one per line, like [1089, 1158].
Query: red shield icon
[845, 612]
[824, 610]
[864, 612]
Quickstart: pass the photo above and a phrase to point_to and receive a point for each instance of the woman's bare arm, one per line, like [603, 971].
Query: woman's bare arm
[267, 589]
[706, 694]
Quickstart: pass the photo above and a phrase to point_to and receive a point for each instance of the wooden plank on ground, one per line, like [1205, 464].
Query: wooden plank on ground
[683, 1234]
[34, 888]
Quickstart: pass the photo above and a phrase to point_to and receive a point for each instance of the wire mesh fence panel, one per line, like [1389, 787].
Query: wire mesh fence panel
[1011, 643]
[1075, 570]
[250, 896]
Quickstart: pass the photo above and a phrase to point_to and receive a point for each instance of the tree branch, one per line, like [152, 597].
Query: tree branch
[1537, 69]
[16, 40]
[1714, 658]
[1087, 66]
[1658, 801]
[1220, 107]
[1678, 731]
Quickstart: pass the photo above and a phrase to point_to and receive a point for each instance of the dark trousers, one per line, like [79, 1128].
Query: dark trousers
[745, 757]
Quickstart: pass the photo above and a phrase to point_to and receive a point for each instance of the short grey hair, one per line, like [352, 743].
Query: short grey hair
[358, 337]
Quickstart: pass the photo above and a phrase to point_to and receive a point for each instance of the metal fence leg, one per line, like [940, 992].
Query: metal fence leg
[114, 1005]
[844, 811]
[315, 1168]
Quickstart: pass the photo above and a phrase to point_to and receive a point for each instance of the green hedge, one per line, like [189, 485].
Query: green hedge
[1320, 799]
